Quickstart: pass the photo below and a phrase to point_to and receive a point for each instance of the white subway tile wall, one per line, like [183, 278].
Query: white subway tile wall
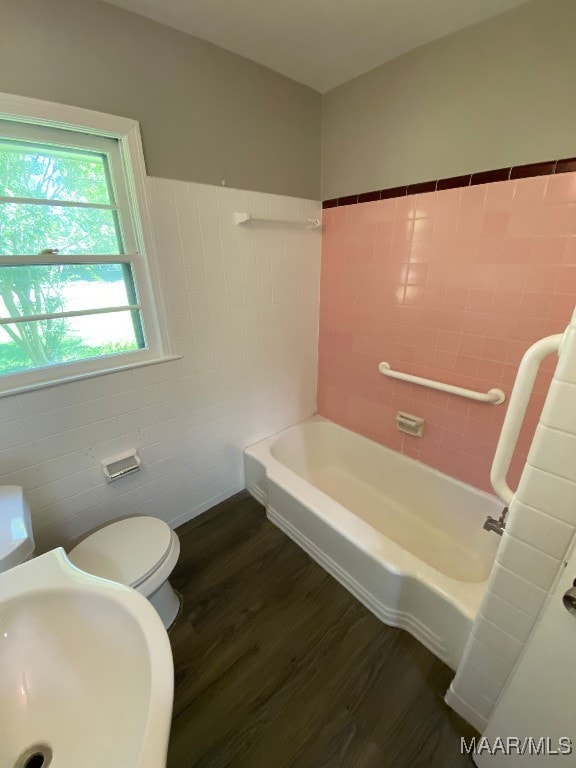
[541, 527]
[243, 303]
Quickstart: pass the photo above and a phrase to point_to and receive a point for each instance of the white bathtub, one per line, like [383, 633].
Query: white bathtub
[403, 538]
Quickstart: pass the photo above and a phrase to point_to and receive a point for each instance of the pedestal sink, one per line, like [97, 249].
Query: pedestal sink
[86, 673]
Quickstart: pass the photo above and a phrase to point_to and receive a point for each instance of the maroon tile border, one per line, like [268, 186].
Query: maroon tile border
[566, 166]
[453, 182]
[534, 169]
[549, 167]
[488, 177]
[420, 189]
[385, 194]
[349, 200]
[368, 197]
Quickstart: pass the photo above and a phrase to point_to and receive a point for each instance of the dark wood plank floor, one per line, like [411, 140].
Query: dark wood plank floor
[278, 666]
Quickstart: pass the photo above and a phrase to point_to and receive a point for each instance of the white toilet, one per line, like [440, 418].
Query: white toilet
[140, 552]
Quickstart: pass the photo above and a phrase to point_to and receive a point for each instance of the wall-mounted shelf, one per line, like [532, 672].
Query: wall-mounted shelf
[494, 396]
[241, 217]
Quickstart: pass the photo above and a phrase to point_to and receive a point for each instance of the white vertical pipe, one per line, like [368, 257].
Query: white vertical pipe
[517, 406]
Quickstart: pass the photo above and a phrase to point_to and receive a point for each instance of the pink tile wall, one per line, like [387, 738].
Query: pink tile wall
[454, 286]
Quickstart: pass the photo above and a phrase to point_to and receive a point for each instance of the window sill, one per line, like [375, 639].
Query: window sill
[66, 379]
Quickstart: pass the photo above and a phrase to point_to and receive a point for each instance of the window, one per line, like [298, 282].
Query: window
[75, 286]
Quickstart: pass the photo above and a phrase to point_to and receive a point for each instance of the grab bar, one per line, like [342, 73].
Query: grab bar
[495, 396]
[517, 406]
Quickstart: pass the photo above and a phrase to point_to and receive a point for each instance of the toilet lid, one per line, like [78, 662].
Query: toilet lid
[126, 551]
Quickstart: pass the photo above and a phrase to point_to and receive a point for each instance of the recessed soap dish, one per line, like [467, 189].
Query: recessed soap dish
[412, 425]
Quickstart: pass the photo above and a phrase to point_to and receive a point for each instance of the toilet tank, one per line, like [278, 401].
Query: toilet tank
[16, 537]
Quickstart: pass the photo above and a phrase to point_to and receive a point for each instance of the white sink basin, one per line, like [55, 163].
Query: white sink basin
[86, 673]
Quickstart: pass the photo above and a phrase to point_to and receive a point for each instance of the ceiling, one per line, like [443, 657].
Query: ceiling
[321, 43]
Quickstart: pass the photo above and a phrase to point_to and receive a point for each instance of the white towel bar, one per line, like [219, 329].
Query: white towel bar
[495, 396]
[241, 217]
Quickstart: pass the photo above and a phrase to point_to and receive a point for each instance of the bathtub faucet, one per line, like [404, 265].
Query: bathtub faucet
[497, 526]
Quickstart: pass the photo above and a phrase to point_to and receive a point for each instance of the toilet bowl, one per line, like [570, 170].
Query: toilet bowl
[139, 552]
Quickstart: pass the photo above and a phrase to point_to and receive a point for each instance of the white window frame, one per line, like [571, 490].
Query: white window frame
[141, 253]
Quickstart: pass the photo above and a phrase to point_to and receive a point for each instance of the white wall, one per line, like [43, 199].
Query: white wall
[243, 304]
[539, 531]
